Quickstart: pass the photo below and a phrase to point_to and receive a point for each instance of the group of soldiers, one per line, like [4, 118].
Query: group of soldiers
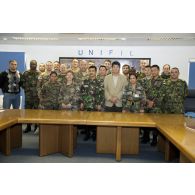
[83, 87]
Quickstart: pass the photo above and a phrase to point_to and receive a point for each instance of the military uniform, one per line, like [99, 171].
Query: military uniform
[101, 78]
[42, 79]
[165, 76]
[49, 96]
[80, 77]
[61, 78]
[29, 81]
[75, 71]
[176, 91]
[92, 94]
[155, 91]
[133, 100]
[140, 75]
[109, 71]
[145, 83]
[70, 95]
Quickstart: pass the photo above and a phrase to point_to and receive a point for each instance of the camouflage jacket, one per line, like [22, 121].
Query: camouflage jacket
[140, 75]
[61, 78]
[176, 91]
[92, 94]
[156, 92]
[29, 82]
[42, 79]
[100, 78]
[165, 76]
[145, 83]
[80, 77]
[49, 95]
[133, 100]
[70, 95]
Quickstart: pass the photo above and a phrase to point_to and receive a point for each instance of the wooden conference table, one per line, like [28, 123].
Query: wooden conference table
[117, 133]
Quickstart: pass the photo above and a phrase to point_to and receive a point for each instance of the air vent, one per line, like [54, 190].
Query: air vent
[164, 38]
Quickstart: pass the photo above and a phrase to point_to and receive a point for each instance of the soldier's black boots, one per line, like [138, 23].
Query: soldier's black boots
[146, 138]
[28, 128]
[87, 135]
[154, 140]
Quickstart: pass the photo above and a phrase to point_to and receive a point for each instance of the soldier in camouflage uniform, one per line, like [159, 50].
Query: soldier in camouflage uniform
[56, 67]
[83, 73]
[144, 82]
[92, 92]
[154, 94]
[75, 66]
[134, 98]
[29, 81]
[155, 91]
[166, 71]
[62, 75]
[49, 93]
[102, 73]
[92, 97]
[42, 68]
[101, 76]
[142, 64]
[44, 77]
[176, 91]
[108, 65]
[80, 77]
[126, 71]
[90, 63]
[69, 97]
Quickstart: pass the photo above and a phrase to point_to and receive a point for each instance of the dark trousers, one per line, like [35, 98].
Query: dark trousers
[146, 132]
[114, 108]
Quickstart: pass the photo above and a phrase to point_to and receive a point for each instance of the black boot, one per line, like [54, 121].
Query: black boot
[93, 135]
[154, 142]
[145, 139]
[35, 127]
[87, 135]
[28, 128]
[154, 139]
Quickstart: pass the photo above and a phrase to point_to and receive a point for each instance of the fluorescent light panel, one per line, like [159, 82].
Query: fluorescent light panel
[101, 39]
[36, 38]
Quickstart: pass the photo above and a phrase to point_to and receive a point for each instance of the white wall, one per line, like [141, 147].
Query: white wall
[174, 55]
